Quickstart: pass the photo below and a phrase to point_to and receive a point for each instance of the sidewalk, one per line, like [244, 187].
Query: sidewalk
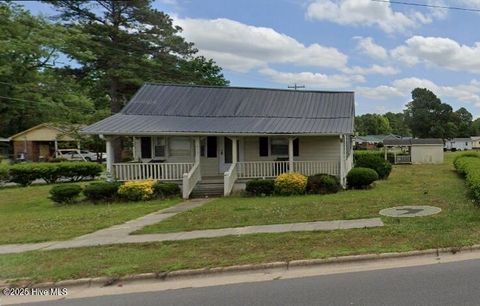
[119, 234]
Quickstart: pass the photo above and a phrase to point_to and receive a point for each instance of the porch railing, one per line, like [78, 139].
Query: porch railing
[316, 167]
[156, 171]
[259, 169]
[403, 159]
[229, 179]
[190, 179]
[270, 169]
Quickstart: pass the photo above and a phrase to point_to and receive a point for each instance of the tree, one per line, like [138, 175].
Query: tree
[398, 124]
[31, 89]
[372, 124]
[130, 43]
[463, 120]
[427, 116]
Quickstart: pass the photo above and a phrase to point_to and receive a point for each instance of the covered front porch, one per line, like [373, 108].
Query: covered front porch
[189, 160]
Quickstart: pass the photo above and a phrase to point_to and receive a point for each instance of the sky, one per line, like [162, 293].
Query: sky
[379, 50]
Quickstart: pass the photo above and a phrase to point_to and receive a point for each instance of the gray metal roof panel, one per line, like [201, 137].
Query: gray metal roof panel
[184, 108]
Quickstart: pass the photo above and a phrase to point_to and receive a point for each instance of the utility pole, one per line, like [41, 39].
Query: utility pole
[295, 86]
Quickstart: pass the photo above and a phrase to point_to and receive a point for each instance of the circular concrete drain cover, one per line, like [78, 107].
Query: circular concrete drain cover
[410, 211]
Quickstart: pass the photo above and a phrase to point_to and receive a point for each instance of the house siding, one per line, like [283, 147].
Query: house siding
[427, 154]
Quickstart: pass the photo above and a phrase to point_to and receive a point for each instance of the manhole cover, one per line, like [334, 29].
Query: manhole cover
[410, 211]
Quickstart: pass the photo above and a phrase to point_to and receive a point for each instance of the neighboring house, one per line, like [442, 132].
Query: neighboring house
[193, 134]
[458, 144]
[4, 148]
[475, 142]
[415, 151]
[39, 142]
[371, 142]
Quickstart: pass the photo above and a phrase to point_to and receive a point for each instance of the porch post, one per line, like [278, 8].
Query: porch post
[110, 154]
[342, 162]
[290, 154]
[197, 150]
[234, 150]
[56, 148]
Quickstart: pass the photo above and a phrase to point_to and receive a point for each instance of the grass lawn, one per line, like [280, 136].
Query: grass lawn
[27, 215]
[436, 185]
[457, 225]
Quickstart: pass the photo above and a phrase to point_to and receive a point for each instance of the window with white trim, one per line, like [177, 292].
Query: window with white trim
[179, 146]
[159, 148]
[279, 146]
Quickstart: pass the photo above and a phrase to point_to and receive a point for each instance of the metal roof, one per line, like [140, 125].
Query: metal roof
[414, 141]
[157, 109]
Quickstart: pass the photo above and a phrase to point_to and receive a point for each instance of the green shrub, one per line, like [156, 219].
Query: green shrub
[23, 174]
[4, 177]
[166, 190]
[381, 166]
[322, 184]
[77, 171]
[469, 167]
[101, 191]
[137, 190]
[290, 184]
[64, 194]
[361, 177]
[260, 187]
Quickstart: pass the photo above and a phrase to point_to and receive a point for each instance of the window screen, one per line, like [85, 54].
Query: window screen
[159, 146]
[179, 146]
[279, 146]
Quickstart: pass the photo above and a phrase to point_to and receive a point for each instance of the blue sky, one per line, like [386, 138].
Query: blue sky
[380, 50]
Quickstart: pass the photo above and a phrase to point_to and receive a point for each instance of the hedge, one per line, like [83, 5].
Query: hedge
[323, 184]
[379, 164]
[4, 177]
[25, 173]
[101, 191]
[361, 178]
[65, 194]
[469, 166]
[259, 187]
[166, 190]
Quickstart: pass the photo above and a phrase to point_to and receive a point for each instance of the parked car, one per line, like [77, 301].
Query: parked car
[83, 155]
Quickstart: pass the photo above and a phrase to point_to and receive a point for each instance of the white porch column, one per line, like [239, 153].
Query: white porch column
[110, 155]
[290, 154]
[342, 162]
[197, 150]
[234, 150]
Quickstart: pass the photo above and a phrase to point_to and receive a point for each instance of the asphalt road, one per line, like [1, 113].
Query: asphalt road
[455, 283]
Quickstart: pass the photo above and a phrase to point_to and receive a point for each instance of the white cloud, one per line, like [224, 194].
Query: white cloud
[367, 46]
[365, 12]
[241, 47]
[439, 51]
[311, 79]
[469, 93]
[374, 69]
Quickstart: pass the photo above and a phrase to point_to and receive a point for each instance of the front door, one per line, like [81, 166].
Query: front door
[225, 153]
[225, 148]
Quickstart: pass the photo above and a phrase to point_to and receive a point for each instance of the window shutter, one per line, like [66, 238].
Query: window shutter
[296, 148]
[146, 147]
[211, 146]
[263, 146]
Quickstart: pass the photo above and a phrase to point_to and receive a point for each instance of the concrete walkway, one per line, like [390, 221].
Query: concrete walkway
[119, 234]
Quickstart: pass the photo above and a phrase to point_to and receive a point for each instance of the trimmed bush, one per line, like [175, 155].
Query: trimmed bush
[77, 171]
[322, 184]
[23, 174]
[260, 187]
[381, 166]
[361, 177]
[101, 191]
[65, 194]
[290, 184]
[469, 167]
[166, 190]
[136, 190]
[4, 177]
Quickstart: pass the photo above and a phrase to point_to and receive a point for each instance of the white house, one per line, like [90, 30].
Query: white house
[199, 134]
[458, 144]
[415, 151]
[475, 142]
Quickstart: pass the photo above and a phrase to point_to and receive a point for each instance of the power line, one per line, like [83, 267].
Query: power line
[457, 8]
